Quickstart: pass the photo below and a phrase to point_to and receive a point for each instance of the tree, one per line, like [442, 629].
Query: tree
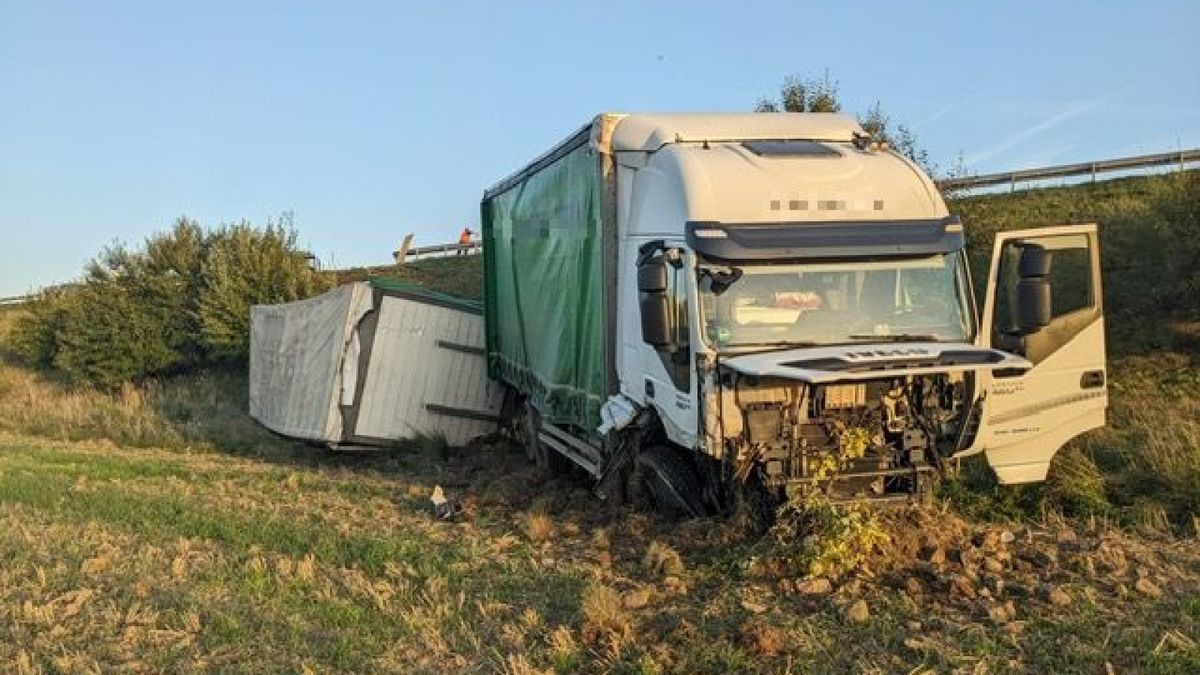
[901, 139]
[248, 266]
[798, 94]
[804, 95]
[180, 302]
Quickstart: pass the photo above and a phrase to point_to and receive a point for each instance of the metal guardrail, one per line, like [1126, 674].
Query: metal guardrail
[1181, 158]
[411, 253]
[15, 300]
[1178, 158]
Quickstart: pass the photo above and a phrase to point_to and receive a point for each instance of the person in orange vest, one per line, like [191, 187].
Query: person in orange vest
[464, 241]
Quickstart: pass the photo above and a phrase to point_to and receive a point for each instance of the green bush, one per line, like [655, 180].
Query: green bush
[34, 334]
[133, 315]
[110, 337]
[179, 302]
[247, 266]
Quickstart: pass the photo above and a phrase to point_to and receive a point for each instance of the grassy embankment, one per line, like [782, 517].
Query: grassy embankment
[160, 529]
[456, 275]
[1143, 469]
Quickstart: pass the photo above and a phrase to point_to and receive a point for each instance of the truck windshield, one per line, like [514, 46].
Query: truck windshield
[851, 301]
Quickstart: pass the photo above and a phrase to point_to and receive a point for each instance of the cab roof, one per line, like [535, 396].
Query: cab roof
[609, 133]
[649, 132]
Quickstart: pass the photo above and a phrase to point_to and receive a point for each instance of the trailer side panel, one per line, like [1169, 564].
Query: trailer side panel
[544, 297]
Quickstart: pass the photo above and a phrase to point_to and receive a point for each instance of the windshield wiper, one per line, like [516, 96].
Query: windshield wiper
[766, 347]
[896, 337]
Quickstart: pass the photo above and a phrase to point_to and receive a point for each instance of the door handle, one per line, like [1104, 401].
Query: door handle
[649, 389]
[1009, 372]
[1092, 379]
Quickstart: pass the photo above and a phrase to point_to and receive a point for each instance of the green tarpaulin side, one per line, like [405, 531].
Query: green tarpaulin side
[544, 288]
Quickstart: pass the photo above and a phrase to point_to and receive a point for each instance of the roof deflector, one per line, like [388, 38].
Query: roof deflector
[791, 149]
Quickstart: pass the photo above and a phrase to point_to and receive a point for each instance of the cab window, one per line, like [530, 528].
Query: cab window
[1074, 303]
[678, 364]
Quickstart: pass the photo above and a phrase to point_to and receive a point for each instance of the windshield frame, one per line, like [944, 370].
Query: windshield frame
[963, 291]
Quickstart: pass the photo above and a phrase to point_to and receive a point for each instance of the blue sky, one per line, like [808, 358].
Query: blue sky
[370, 120]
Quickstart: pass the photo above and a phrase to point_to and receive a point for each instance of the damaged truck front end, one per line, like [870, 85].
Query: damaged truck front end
[853, 424]
[866, 377]
[842, 354]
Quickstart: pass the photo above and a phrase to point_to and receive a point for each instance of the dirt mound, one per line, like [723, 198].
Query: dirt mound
[936, 588]
[998, 571]
[933, 556]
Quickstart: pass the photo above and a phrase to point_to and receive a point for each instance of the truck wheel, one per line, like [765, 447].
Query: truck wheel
[663, 479]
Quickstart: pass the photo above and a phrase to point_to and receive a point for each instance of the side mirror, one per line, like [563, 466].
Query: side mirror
[652, 276]
[656, 321]
[655, 306]
[1034, 298]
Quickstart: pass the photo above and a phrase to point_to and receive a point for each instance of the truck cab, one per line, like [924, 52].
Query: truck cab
[789, 303]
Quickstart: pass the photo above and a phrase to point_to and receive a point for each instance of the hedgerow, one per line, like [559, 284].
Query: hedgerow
[180, 301]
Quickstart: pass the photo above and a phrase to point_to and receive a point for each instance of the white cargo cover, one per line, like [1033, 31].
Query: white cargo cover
[367, 365]
[296, 361]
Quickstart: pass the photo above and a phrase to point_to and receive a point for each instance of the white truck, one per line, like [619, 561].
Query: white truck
[696, 307]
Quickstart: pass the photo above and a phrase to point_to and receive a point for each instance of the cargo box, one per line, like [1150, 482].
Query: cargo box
[371, 363]
[549, 244]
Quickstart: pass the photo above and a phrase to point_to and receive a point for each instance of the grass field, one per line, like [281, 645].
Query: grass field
[293, 560]
[159, 529]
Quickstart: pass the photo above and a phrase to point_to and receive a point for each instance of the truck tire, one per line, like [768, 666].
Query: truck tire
[663, 479]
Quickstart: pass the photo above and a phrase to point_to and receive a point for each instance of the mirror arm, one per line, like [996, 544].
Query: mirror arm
[647, 251]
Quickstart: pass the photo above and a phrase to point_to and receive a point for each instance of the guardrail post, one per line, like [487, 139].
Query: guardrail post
[404, 248]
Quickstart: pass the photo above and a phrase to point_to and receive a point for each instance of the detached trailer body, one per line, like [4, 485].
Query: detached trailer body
[690, 304]
[371, 364]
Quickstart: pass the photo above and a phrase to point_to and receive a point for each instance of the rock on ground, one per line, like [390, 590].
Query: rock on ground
[858, 612]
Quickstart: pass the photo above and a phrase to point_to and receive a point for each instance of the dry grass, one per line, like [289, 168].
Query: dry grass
[185, 412]
[605, 620]
[662, 560]
[537, 525]
[200, 411]
[216, 556]
[564, 650]
[155, 559]
[1143, 468]
[180, 537]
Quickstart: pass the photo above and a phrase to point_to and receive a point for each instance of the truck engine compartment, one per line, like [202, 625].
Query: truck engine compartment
[880, 439]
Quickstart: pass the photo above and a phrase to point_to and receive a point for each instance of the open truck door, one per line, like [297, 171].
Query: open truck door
[1043, 302]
